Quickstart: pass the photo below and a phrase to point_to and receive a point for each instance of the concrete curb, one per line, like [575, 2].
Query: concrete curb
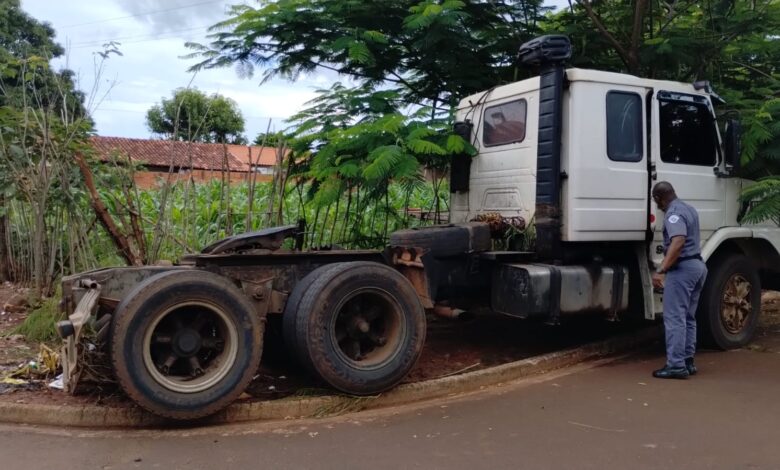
[307, 407]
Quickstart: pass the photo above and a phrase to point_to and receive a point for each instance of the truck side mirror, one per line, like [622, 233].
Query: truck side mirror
[733, 145]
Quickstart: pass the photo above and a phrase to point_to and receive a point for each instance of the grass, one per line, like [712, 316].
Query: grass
[40, 324]
[342, 404]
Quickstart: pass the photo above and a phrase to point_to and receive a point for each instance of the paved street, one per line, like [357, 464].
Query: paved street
[609, 415]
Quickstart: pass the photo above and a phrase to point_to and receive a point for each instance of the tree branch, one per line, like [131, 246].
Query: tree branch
[636, 32]
[603, 30]
[674, 14]
[120, 240]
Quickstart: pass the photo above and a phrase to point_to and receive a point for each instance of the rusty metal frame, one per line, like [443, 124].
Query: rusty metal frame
[408, 261]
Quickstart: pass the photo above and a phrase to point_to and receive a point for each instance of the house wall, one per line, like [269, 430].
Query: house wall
[153, 179]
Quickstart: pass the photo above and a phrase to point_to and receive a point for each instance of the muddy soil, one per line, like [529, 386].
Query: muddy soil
[452, 347]
[13, 348]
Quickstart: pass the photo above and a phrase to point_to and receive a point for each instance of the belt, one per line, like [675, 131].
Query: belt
[686, 258]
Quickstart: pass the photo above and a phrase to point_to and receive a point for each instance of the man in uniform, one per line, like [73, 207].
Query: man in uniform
[684, 273]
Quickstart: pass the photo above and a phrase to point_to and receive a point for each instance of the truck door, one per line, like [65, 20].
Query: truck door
[604, 156]
[686, 153]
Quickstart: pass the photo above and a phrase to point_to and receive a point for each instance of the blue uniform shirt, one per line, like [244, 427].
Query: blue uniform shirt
[682, 219]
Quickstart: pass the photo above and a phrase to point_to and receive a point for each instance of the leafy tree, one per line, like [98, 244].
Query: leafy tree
[733, 44]
[270, 139]
[764, 200]
[433, 51]
[42, 117]
[25, 39]
[356, 141]
[192, 115]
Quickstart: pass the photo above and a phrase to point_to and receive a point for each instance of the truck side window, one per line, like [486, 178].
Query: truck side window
[687, 133]
[624, 126]
[504, 123]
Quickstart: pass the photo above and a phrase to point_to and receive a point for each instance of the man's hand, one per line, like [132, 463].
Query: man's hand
[658, 281]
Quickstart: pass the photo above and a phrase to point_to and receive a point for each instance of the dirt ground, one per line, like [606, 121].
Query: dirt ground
[452, 347]
[13, 348]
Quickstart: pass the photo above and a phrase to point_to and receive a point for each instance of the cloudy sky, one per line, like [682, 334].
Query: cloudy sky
[152, 34]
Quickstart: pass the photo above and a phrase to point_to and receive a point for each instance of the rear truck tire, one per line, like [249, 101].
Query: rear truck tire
[360, 327]
[290, 317]
[446, 240]
[185, 344]
[730, 303]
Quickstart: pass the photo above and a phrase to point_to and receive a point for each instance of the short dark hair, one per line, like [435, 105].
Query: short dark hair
[663, 189]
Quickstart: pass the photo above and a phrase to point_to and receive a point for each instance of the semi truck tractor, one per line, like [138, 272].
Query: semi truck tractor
[570, 153]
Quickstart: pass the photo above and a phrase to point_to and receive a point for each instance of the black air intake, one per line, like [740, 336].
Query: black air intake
[548, 53]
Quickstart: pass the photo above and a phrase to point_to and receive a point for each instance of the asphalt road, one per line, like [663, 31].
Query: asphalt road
[606, 415]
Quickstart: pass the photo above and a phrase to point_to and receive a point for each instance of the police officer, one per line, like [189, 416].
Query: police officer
[684, 273]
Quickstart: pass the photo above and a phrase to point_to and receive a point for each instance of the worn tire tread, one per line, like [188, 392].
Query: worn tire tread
[313, 314]
[170, 280]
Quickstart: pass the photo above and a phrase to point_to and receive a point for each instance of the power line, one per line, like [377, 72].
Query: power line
[151, 39]
[135, 111]
[153, 12]
[100, 42]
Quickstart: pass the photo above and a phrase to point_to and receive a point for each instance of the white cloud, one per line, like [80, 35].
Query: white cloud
[174, 15]
[270, 101]
[151, 66]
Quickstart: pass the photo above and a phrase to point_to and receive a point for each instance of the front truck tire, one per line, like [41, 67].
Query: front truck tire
[359, 327]
[730, 302]
[185, 344]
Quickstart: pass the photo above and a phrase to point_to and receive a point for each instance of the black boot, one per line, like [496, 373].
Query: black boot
[671, 373]
[690, 366]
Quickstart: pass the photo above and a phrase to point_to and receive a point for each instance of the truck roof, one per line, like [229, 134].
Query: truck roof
[585, 75]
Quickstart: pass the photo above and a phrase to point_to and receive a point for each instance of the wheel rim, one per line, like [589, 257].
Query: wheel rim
[368, 328]
[190, 347]
[736, 305]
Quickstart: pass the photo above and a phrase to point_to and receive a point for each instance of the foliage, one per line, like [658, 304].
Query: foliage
[761, 137]
[434, 51]
[43, 122]
[733, 44]
[40, 325]
[411, 60]
[269, 139]
[764, 200]
[356, 141]
[193, 116]
[194, 217]
[26, 46]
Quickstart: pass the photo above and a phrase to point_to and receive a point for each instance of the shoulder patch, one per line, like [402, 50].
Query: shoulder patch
[674, 219]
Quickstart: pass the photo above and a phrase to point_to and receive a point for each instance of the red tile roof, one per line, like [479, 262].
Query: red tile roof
[199, 156]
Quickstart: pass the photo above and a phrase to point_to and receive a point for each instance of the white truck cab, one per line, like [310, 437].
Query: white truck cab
[617, 135]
